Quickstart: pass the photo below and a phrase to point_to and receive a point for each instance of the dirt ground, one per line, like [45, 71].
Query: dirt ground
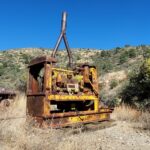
[18, 134]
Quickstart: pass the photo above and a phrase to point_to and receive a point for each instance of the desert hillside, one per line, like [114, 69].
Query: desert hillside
[114, 66]
[14, 62]
[122, 74]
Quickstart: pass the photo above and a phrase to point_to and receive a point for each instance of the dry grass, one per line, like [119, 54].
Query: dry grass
[139, 119]
[17, 134]
[144, 121]
[17, 108]
[125, 113]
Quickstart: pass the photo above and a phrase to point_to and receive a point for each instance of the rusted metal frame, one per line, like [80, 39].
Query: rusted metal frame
[65, 121]
[77, 113]
[62, 70]
[42, 60]
[95, 91]
[105, 110]
[31, 83]
[96, 105]
[68, 50]
[57, 45]
[45, 76]
[36, 94]
[63, 35]
[34, 85]
[69, 100]
[72, 97]
[94, 76]
[69, 124]
[28, 86]
[47, 87]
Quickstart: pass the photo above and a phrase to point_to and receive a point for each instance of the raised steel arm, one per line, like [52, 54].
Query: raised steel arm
[63, 35]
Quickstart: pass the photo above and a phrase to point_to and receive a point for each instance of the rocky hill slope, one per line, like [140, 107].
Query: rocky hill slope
[114, 66]
[129, 129]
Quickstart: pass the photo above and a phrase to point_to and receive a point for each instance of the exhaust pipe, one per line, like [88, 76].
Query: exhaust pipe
[63, 36]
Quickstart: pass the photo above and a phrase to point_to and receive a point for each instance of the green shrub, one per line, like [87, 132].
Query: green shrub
[117, 50]
[26, 58]
[114, 102]
[103, 54]
[123, 58]
[137, 92]
[146, 53]
[132, 53]
[106, 67]
[113, 84]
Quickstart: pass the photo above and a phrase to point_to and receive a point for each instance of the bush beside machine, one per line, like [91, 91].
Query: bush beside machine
[62, 97]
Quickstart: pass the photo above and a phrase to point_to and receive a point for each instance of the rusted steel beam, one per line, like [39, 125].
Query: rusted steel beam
[71, 97]
[63, 36]
[35, 94]
[69, 121]
[77, 113]
[42, 59]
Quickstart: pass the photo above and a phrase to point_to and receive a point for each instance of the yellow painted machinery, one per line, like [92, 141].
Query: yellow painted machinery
[62, 97]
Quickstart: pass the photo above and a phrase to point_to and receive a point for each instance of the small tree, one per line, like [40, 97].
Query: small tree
[137, 92]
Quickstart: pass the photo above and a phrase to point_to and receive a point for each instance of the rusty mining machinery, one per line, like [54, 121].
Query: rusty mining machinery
[63, 97]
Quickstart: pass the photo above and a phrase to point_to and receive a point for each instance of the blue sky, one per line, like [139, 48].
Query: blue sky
[102, 24]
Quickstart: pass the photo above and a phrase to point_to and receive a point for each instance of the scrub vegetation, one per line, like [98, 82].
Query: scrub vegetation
[121, 71]
[124, 77]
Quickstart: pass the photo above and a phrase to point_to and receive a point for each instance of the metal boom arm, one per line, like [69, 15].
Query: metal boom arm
[63, 35]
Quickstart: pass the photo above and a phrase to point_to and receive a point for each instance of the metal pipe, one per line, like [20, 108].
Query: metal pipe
[68, 50]
[56, 46]
[63, 35]
[64, 22]
[70, 114]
